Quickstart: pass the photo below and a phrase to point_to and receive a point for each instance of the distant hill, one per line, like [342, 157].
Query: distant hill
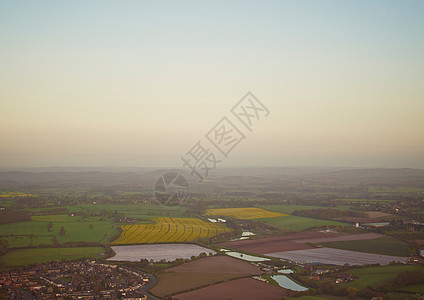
[146, 177]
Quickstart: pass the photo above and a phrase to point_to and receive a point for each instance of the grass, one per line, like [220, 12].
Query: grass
[385, 245]
[77, 229]
[243, 213]
[25, 257]
[295, 223]
[374, 276]
[50, 218]
[166, 230]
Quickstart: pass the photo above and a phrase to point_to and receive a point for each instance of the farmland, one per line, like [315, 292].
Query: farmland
[295, 223]
[288, 209]
[385, 245]
[296, 241]
[217, 264]
[336, 257]
[200, 273]
[245, 288]
[76, 229]
[374, 276]
[243, 213]
[158, 252]
[168, 230]
[14, 194]
[136, 211]
[275, 244]
[24, 257]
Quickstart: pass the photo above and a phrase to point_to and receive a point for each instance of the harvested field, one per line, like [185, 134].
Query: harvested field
[287, 242]
[342, 238]
[157, 252]
[244, 289]
[336, 257]
[200, 273]
[173, 283]
[218, 264]
[378, 214]
[419, 242]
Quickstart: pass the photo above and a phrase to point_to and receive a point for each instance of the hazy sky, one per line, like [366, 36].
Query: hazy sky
[133, 83]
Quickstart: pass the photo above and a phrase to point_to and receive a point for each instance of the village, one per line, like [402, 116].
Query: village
[82, 279]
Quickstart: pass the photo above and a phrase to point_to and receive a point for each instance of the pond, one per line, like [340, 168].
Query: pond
[287, 283]
[157, 252]
[285, 271]
[246, 257]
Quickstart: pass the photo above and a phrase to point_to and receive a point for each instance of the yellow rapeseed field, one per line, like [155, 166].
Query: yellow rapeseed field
[243, 213]
[168, 230]
[15, 194]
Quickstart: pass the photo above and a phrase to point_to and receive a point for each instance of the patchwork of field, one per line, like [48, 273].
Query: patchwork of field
[158, 252]
[200, 273]
[244, 213]
[245, 288]
[336, 257]
[169, 230]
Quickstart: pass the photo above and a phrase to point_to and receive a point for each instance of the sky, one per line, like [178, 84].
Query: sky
[139, 83]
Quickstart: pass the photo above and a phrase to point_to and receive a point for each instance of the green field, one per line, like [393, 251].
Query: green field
[136, 211]
[50, 218]
[386, 245]
[373, 276]
[295, 223]
[24, 257]
[77, 229]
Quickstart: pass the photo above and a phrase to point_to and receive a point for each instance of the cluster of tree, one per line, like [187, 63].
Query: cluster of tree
[408, 278]
[52, 211]
[331, 288]
[8, 216]
[329, 213]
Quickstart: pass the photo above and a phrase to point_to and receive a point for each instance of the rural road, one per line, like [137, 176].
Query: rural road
[152, 282]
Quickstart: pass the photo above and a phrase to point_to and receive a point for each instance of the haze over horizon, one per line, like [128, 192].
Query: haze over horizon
[117, 84]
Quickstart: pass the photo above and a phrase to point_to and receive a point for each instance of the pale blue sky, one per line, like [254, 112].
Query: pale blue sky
[133, 83]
